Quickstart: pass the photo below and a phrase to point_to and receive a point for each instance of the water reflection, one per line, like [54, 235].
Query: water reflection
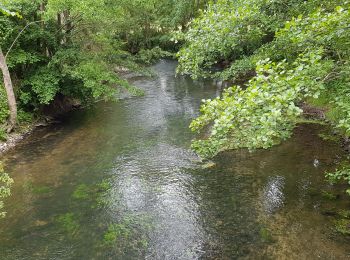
[273, 196]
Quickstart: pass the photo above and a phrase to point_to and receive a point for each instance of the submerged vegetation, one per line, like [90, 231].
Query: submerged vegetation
[129, 233]
[68, 223]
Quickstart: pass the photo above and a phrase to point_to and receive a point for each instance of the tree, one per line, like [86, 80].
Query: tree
[9, 91]
[293, 51]
[8, 82]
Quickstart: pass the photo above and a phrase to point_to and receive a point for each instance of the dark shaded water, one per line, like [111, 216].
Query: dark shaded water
[118, 181]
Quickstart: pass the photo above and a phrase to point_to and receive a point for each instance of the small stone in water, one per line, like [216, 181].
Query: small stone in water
[208, 165]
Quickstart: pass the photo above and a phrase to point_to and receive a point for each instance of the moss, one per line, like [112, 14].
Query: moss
[334, 114]
[321, 102]
[313, 192]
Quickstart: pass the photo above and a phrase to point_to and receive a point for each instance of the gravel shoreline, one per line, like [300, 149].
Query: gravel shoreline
[14, 138]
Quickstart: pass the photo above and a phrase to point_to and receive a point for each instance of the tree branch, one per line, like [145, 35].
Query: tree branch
[19, 34]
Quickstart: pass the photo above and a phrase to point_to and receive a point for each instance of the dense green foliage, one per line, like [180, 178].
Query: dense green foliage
[291, 50]
[72, 49]
[265, 112]
[67, 51]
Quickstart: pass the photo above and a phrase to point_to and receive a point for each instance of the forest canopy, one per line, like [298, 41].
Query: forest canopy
[63, 49]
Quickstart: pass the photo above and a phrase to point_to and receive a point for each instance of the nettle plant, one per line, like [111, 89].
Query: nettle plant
[266, 111]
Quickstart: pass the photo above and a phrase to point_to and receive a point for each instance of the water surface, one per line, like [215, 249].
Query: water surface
[118, 181]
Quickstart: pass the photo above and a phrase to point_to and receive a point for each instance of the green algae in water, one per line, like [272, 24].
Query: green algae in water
[68, 222]
[129, 233]
[116, 232]
[37, 190]
[101, 194]
[104, 186]
[42, 190]
[81, 192]
[265, 235]
[96, 193]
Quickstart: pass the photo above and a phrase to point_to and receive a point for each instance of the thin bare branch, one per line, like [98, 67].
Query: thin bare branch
[19, 34]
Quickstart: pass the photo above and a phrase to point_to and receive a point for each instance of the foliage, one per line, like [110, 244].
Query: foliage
[71, 48]
[148, 56]
[342, 175]
[342, 226]
[265, 112]
[4, 111]
[3, 134]
[221, 34]
[291, 50]
[5, 188]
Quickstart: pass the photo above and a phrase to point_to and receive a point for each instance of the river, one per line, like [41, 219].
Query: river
[119, 181]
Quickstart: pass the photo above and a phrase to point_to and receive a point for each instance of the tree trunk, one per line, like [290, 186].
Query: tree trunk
[9, 91]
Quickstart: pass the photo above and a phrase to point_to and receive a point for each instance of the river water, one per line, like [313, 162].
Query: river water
[118, 181]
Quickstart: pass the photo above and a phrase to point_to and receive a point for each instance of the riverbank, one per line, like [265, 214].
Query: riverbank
[23, 131]
[13, 138]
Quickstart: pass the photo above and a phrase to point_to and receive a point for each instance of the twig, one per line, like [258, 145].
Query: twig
[25, 27]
